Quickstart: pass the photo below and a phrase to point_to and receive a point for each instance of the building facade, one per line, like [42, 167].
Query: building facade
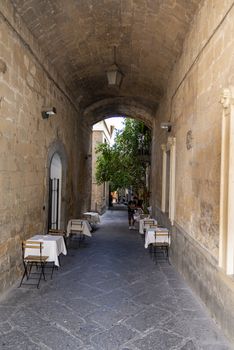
[102, 133]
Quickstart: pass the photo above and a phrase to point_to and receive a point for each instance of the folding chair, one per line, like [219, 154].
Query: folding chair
[147, 223]
[87, 217]
[161, 245]
[77, 229]
[37, 260]
[154, 226]
[58, 232]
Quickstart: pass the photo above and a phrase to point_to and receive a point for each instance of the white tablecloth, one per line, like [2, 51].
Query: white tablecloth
[53, 246]
[143, 226]
[74, 225]
[94, 217]
[161, 236]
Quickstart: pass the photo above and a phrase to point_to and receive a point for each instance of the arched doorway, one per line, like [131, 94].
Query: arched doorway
[57, 159]
[55, 182]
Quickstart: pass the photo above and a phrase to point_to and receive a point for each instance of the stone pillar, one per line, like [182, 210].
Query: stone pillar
[172, 145]
[169, 147]
[164, 175]
[226, 242]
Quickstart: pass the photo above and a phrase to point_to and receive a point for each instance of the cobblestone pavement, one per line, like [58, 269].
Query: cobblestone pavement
[107, 295]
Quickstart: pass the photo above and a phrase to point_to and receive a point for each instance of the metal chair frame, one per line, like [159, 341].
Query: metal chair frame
[78, 231]
[148, 222]
[161, 247]
[33, 260]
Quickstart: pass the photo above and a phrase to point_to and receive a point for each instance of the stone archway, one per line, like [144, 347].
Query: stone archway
[123, 107]
[120, 106]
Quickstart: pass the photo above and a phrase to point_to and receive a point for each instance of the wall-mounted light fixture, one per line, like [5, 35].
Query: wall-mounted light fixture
[47, 112]
[114, 74]
[166, 125]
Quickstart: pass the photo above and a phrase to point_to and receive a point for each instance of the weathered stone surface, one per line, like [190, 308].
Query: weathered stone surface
[192, 103]
[28, 82]
[59, 316]
[176, 56]
[143, 53]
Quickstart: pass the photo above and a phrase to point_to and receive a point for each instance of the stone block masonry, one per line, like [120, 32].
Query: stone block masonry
[27, 83]
[192, 103]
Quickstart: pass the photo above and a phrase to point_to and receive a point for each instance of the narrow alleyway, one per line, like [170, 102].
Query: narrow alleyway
[108, 294]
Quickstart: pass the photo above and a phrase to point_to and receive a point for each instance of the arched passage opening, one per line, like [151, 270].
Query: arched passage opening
[119, 106]
[98, 114]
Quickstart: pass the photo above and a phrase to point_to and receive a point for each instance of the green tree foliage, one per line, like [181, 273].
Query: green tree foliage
[123, 163]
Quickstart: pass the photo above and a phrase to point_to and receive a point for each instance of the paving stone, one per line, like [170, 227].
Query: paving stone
[113, 338]
[98, 275]
[110, 295]
[113, 284]
[129, 308]
[81, 306]
[169, 302]
[26, 319]
[189, 346]
[5, 327]
[106, 317]
[159, 340]
[178, 325]
[152, 295]
[6, 312]
[56, 338]
[148, 319]
[16, 340]
[136, 288]
[111, 299]
[87, 330]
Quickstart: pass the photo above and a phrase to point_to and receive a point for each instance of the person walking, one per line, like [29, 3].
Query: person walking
[131, 211]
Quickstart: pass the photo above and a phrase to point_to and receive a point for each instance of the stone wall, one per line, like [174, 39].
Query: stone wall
[192, 104]
[98, 199]
[84, 162]
[27, 83]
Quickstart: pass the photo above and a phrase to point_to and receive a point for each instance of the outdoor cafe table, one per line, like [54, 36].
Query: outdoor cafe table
[162, 236]
[143, 226]
[92, 217]
[74, 225]
[53, 246]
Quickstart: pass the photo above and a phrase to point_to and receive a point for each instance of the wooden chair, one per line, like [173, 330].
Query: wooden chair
[147, 223]
[77, 229]
[37, 260]
[153, 226]
[87, 217]
[57, 232]
[161, 245]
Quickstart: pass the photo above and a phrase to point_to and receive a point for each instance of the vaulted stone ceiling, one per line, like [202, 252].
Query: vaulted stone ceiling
[78, 37]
